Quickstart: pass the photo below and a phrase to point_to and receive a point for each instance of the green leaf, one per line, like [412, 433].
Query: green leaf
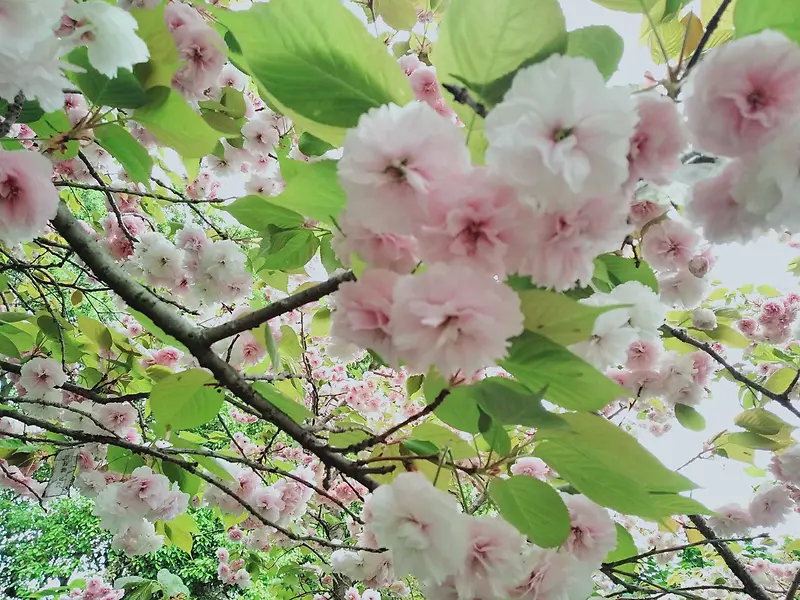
[725, 447]
[321, 323]
[179, 531]
[557, 317]
[175, 124]
[186, 400]
[164, 58]
[728, 336]
[780, 380]
[289, 345]
[761, 421]
[494, 435]
[123, 91]
[748, 439]
[600, 43]
[630, 6]
[533, 507]
[570, 382]
[312, 146]
[626, 548]
[189, 483]
[689, 417]
[294, 410]
[272, 347]
[398, 14]
[608, 465]
[481, 45]
[752, 16]
[122, 460]
[314, 191]
[258, 213]
[31, 111]
[459, 409]
[675, 504]
[288, 250]
[304, 50]
[95, 331]
[442, 438]
[621, 269]
[511, 403]
[15, 317]
[133, 157]
[414, 384]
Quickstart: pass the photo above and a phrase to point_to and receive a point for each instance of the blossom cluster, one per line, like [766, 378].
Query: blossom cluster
[455, 555]
[129, 508]
[556, 192]
[96, 589]
[232, 572]
[742, 104]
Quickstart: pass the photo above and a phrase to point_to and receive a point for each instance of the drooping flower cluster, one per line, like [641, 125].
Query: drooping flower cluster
[774, 322]
[130, 507]
[231, 572]
[455, 555]
[769, 507]
[743, 103]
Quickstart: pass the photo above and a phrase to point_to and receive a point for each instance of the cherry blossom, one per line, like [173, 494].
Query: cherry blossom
[27, 197]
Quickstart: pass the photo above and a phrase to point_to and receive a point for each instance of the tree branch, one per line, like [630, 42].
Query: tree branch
[364, 444]
[12, 114]
[790, 595]
[639, 557]
[736, 567]
[165, 317]
[713, 23]
[274, 310]
[461, 95]
[782, 398]
[114, 190]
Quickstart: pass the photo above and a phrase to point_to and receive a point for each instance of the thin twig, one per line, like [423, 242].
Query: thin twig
[713, 23]
[461, 95]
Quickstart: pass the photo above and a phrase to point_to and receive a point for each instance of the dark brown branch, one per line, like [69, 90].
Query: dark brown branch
[274, 310]
[639, 557]
[364, 444]
[782, 398]
[461, 95]
[12, 114]
[790, 595]
[736, 567]
[111, 202]
[165, 317]
[114, 190]
[713, 23]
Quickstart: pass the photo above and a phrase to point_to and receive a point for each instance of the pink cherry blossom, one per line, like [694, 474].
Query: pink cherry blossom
[703, 367]
[453, 318]
[474, 221]
[179, 15]
[644, 211]
[204, 54]
[643, 355]
[561, 134]
[531, 466]
[658, 141]
[363, 312]
[409, 63]
[28, 199]
[562, 244]
[730, 520]
[592, 535]
[420, 525]
[117, 416]
[786, 466]
[424, 84]
[393, 158]
[770, 506]
[704, 319]
[494, 550]
[260, 135]
[550, 575]
[669, 245]
[383, 250]
[40, 376]
[714, 207]
[743, 93]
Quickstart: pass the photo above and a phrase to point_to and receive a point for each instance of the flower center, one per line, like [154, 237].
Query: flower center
[561, 134]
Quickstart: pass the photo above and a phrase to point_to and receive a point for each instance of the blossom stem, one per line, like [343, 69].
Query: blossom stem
[461, 95]
[713, 23]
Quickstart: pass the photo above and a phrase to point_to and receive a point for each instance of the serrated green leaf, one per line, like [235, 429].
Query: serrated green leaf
[760, 421]
[186, 400]
[123, 91]
[259, 213]
[599, 43]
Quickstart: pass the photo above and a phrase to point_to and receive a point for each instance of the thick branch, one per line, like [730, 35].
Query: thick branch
[790, 595]
[12, 114]
[782, 398]
[276, 309]
[165, 317]
[736, 567]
